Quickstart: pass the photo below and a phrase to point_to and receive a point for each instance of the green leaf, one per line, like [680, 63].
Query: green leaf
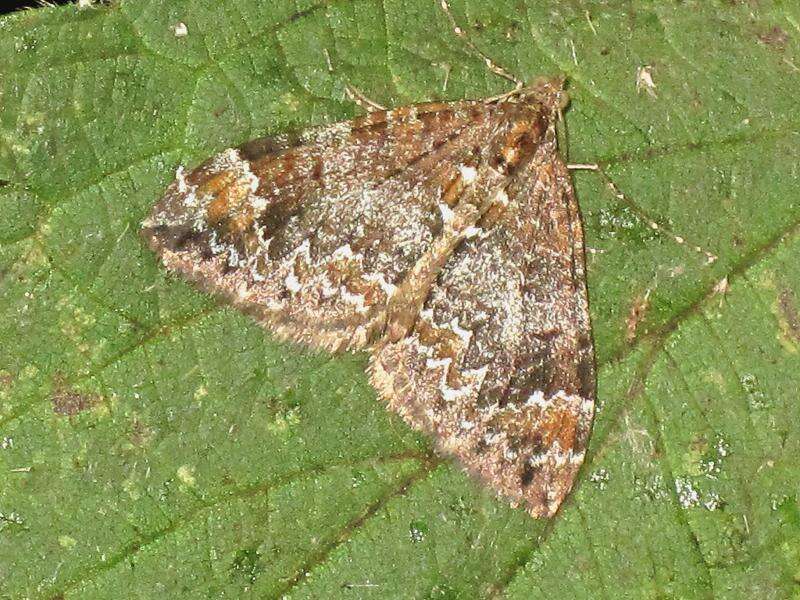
[154, 444]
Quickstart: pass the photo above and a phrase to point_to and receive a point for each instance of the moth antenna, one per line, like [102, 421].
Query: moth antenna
[357, 96]
[490, 64]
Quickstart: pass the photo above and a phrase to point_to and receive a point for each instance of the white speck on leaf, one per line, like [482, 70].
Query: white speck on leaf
[687, 495]
[186, 475]
[600, 478]
[644, 81]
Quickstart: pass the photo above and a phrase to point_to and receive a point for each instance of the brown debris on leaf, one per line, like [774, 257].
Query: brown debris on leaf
[68, 402]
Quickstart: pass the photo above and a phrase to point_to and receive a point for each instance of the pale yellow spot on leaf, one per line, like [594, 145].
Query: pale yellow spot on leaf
[66, 541]
[186, 475]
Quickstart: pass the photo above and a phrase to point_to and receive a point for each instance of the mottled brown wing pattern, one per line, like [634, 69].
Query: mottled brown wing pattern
[443, 237]
[314, 234]
[499, 368]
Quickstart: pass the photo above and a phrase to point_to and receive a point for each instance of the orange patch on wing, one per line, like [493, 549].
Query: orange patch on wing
[452, 190]
[559, 425]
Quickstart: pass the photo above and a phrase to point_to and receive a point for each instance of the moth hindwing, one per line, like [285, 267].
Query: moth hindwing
[444, 238]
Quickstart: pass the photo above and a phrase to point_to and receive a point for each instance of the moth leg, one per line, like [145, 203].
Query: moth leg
[710, 257]
[357, 96]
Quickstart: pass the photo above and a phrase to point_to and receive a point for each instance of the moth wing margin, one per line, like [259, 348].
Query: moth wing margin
[516, 452]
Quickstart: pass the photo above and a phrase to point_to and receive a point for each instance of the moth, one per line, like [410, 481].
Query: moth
[443, 238]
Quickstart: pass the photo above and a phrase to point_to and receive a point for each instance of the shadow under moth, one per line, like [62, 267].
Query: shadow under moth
[444, 239]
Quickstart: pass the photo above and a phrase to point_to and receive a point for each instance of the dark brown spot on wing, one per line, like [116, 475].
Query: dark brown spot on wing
[183, 237]
[261, 147]
[316, 170]
[527, 474]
